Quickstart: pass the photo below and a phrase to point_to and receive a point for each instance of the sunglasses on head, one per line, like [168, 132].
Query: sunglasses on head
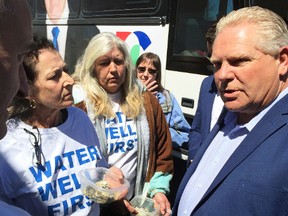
[143, 69]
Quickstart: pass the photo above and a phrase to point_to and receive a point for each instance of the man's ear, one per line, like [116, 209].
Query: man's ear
[283, 58]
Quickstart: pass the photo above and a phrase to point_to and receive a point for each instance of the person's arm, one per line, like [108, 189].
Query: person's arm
[159, 185]
[178, 125]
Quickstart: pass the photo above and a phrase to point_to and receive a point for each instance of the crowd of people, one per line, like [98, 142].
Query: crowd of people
[113, 114]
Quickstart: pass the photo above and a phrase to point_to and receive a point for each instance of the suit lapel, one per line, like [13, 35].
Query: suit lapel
[210, 96]
[270, 123]
[199, 155]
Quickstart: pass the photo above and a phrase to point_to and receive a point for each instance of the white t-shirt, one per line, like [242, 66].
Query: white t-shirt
[67, 149]
[121, 135]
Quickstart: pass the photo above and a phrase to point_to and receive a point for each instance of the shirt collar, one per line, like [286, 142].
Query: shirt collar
[230, 119]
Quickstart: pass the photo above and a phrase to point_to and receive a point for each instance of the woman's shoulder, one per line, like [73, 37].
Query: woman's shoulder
[77, 118]
[151, 103]
[76, 111]
[168, 93]
[15, 135]
[149, 97]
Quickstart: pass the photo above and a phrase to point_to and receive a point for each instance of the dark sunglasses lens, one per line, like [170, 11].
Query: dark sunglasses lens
[141, 69]
[151, 71]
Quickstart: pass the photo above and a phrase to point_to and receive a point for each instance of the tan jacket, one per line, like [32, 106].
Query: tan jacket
[160, 142]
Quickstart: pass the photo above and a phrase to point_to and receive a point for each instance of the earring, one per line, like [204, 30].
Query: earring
[32, 103]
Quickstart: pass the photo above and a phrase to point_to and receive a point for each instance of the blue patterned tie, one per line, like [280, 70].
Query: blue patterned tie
[55, 33]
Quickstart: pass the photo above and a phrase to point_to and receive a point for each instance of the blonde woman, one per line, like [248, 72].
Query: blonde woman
[129, 121]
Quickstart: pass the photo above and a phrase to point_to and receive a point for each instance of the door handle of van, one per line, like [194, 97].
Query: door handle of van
[187, 102]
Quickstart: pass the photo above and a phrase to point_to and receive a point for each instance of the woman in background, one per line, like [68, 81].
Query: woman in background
[148, 67]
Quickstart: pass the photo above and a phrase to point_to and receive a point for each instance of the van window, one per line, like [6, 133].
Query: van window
[125, 7]
[187, 45]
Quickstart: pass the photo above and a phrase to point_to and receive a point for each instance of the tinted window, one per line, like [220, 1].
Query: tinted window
[190, 20]
[119, 7]
[73, 6]
[280, 6]
[187, 45]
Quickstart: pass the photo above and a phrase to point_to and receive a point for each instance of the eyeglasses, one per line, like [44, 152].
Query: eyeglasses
[36, 157]
[143, 69]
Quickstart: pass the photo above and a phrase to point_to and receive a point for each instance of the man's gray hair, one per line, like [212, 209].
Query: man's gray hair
[272, 32]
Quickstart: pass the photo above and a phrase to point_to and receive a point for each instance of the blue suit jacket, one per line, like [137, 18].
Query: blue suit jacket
[200, 127]
[254, 181]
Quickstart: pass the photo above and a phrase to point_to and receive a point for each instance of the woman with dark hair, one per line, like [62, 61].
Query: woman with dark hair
[148, 67]
[48, 141]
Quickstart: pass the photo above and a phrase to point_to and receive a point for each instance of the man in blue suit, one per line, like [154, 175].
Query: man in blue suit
[241, 167]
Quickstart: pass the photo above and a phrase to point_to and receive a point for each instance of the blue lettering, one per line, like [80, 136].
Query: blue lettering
[89, 201]
[119, 117]
[111, 145]
[93, 153]
[64, 185]
[66, 208]
[114, 132]
[69, 156]
[59, 164]
[53, 209]
[111, 120]
[37, 173]
[80, 156]
[48, 189]
[119, 146]
[75, 180]
[77, 201]
[73, 202]
[122, 132]
[131, 130]
[130, 145]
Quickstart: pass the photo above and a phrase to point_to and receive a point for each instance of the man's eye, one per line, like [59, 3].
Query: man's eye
[216, 66]
[237, 62]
